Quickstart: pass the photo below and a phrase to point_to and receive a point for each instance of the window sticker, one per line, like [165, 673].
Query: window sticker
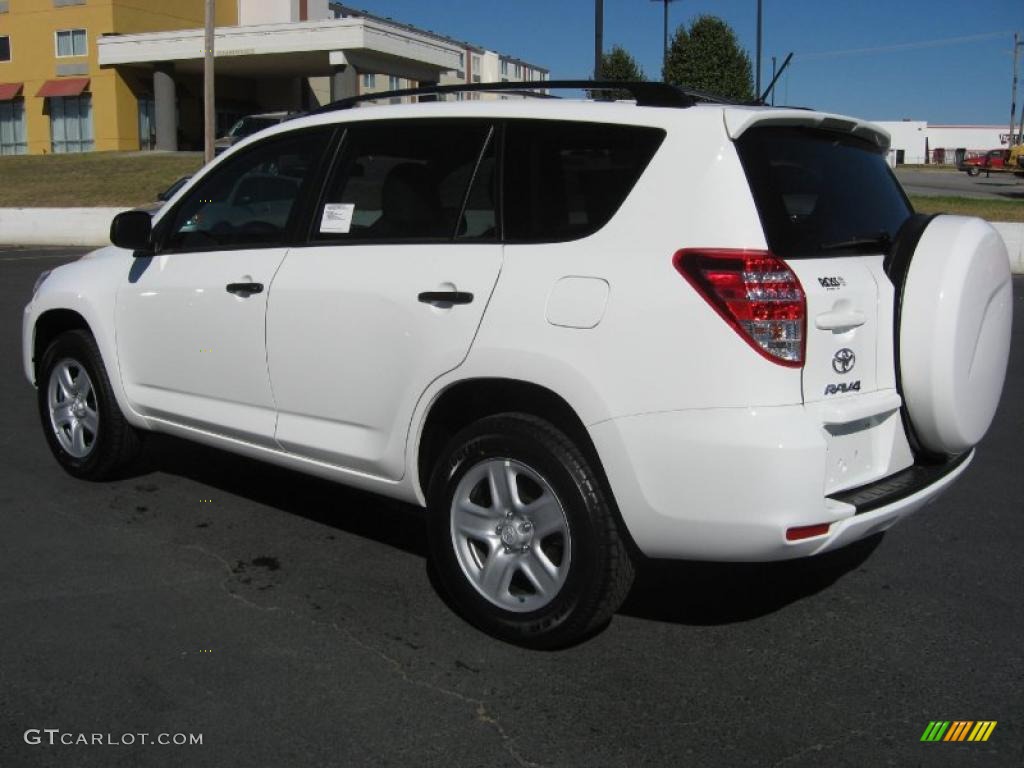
[337, 218]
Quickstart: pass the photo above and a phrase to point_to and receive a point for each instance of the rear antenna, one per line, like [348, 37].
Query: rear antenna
[771, 85]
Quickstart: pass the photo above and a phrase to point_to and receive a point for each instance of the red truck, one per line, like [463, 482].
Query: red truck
[993, 160]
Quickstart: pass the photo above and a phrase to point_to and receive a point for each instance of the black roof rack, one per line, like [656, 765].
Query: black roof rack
[647, 94]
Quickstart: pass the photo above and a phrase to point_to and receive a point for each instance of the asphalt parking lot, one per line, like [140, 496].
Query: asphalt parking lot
[291, 622]
[953, 183]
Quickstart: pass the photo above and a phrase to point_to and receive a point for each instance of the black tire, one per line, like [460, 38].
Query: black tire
[973, 171]
[116, 443]
[600, 571]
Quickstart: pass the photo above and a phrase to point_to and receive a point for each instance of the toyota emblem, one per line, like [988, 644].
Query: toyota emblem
[843, 361]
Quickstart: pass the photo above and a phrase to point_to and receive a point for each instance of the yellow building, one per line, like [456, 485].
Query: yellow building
[54, 97]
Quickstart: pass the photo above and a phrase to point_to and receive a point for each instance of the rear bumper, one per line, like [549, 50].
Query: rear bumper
[727, 484]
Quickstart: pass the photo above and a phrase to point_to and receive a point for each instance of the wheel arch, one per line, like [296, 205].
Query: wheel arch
[48, 326]
[468, 400]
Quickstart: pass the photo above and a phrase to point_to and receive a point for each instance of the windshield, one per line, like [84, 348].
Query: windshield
[250, 125]
[820, 193]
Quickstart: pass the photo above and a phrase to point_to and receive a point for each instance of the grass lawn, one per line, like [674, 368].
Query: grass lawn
[91, 179]
[993, 210]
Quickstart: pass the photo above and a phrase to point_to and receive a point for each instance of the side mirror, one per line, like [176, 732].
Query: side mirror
[132, 230]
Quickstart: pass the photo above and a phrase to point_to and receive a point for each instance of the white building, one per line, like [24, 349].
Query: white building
[916, 141]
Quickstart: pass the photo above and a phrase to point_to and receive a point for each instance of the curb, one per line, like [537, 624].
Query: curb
[91, 227]
[57, 226]
[1013, 235]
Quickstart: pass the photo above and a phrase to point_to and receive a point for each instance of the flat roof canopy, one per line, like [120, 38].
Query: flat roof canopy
[303, 49]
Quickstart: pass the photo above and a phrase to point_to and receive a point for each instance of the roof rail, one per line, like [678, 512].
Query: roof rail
[647, 94]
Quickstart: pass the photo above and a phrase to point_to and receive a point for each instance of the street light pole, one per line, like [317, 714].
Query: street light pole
[598, 37]
[209, 103]
[664, 55]
[757, 68]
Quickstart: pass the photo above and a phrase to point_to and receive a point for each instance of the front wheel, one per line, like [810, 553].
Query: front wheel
[523, 537]
[973, 171]
[84, 426]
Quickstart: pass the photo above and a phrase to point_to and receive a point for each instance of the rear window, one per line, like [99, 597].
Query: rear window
[565, 180]
[820, 193]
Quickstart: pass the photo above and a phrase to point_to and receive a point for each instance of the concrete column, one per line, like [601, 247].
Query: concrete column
[165, 103]
[343, 82]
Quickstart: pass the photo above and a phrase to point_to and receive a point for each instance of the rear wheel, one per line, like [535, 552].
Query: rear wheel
[973, 171]
[82, 422]
[523, 537]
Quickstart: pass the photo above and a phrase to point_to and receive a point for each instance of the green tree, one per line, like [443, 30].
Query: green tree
[709, 58]
[617, 64]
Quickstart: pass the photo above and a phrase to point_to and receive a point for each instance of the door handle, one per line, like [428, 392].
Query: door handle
[446, 297]
[840, 319]
[244, 289]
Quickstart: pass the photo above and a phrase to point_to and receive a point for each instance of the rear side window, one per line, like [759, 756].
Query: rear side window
[820, 193]
[565, 180]
[413, 181]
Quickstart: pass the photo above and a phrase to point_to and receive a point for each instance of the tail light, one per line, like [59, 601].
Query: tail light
[754, 292]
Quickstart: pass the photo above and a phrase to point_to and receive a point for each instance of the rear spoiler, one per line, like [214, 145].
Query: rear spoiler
[739, 120]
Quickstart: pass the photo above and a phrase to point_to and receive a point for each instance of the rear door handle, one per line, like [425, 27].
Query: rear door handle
[446, 297]
[244, 289]
[838, 319]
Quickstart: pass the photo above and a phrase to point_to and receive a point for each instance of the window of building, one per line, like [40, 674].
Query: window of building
[504, 66]
[565, 180]
[411, 181]
[147, 123]
[369, 80]
[394, 83]
[475, 60]
[12, 127]
[71, 123]
[72, 42]
[5, 48]
[462, 60]
[476, 78]
[249, 200]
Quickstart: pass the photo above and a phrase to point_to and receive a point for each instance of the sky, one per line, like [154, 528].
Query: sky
[944, 61]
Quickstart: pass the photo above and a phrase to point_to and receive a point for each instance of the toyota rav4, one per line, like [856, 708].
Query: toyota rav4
[577, 333]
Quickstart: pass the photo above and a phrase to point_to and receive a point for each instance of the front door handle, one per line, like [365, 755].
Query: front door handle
[446, 297]
[244, 289]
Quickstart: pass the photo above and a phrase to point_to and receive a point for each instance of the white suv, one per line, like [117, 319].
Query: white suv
[577, 332]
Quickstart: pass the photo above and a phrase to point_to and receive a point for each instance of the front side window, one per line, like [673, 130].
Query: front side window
[72, 42]
[249, 200]
[5, 48]
[420, 180]
[71, 123]
[12, 127]
[565, 180]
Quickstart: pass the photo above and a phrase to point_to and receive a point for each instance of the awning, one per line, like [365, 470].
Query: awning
[9, 91]
[66, 86]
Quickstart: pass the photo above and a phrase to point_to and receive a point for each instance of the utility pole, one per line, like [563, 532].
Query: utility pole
[1013, 93]
[757, 68]
[598, 37]
[209, 102]
[773, 80]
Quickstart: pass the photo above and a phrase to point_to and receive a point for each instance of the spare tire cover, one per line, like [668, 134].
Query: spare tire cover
[955, 318]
